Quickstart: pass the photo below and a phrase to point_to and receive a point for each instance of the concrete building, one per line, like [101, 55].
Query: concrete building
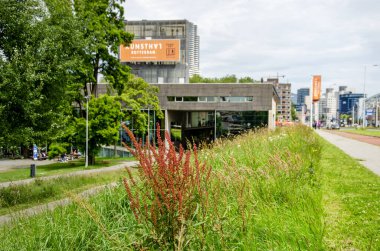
[204, 112]
[285, 105]
[210, 111]
[163, 51]
[328, 106]
[301, 94]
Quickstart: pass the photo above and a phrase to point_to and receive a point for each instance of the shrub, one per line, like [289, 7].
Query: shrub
[172, 190]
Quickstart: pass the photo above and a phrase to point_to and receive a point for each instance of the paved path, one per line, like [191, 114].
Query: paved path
[363, 138]
[7, 164]
[368, 154]
[13, 217]
[84, 172]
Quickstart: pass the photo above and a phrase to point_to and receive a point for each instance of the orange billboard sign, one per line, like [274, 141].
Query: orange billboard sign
[151, 51]
[317, 86]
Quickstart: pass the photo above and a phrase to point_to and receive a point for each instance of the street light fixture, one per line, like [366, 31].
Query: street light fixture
[87, 100]
[364, 124]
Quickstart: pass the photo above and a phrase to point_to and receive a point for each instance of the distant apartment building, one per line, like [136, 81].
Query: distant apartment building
[285, 105]
[328, 105]
[163, 51]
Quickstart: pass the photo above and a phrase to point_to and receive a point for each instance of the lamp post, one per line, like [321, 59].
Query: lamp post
[87, 99]
[365, 75]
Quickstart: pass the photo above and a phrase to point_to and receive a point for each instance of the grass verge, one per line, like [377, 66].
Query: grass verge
[59, 168]
[351, 198]
[14, 198]
[361, 131]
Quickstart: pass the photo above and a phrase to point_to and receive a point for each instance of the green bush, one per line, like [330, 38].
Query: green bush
[56, 150]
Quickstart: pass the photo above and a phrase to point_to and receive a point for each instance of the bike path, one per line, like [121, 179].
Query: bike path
[367, 154]
[83, 172]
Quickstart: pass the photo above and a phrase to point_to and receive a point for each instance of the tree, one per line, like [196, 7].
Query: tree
[102, 23]
[246, 80]
[138, 95]
[103, 122]
[106, 114]
[35, 65]
[226, 79]
[293, 112]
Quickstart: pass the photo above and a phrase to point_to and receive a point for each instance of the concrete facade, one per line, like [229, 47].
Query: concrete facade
[167, 72]
[263, 96]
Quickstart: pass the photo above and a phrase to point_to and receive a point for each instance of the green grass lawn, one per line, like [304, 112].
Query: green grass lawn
[351, 198]
[367, 132]
[59, 168]
[19, 197]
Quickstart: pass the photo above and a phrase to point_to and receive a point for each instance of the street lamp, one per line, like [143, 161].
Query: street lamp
[364, 115]
[87, 100]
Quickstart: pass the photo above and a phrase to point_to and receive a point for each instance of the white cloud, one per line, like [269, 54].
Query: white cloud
[296, 38]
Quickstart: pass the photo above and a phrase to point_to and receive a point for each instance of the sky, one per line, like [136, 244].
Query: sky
[296, 39]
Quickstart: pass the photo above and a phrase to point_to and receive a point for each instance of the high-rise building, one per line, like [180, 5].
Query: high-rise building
[328, 106]
[163, 51]
[301, 94]
[348, 101]
[285, 105]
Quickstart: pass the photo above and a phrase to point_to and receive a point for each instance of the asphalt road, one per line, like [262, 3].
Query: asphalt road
[368, 154]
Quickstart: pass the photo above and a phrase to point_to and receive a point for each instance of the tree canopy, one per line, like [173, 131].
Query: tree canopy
[52, 54]
[226, 79]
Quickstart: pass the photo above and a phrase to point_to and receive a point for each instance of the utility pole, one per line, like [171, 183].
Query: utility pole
[87, 99]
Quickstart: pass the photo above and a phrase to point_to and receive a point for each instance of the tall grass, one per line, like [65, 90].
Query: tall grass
[263, 194]
[17, 197]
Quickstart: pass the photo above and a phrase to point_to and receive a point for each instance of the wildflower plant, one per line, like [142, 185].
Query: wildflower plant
[172, 188]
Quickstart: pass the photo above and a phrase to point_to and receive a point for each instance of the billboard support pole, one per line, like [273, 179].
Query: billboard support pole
[311, 104]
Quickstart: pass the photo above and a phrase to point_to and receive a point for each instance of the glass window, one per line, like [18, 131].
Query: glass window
[170, 98]
[211, 99]
[178, 99]
[190, 99]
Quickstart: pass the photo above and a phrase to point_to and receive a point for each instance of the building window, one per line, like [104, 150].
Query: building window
[190, 99]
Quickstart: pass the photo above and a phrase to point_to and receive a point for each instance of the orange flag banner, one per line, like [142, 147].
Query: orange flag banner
[317, 87]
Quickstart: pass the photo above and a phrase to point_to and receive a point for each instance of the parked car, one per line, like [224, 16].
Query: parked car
[332, 126]
[335, 126]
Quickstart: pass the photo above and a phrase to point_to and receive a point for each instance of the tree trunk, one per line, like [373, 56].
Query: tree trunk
[91, 159]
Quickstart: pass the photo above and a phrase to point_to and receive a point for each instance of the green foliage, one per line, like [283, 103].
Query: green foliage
[102, 22]
[36, 59]
[51, 51]
[246, 80]
[56, 149]
[103, 122]
[138, 95]
[293, 112]
[226, 79]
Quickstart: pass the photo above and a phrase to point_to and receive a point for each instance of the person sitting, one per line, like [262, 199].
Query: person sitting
[63, 157]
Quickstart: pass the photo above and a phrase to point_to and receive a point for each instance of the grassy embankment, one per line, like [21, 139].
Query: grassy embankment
[361, 131]
[14, 198]
[59, 168]
[267, 191]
